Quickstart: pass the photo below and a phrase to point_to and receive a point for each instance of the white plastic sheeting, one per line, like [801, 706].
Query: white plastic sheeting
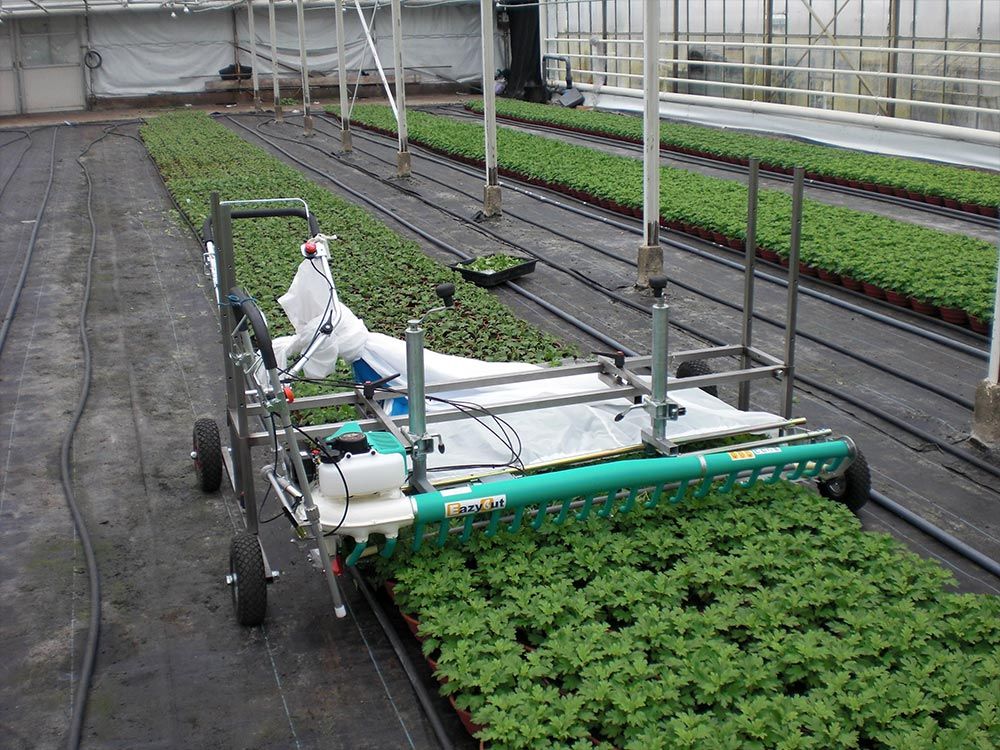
[544, 434]
[149, 53]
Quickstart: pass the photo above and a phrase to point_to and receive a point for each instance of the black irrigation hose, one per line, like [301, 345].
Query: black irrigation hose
[805, 291]
[436, 241]
[66, 471]
[844, 351]
[836, 393]
[12, 308]
[931, 530]
[404, 659]
[704, 161]
[20, 157]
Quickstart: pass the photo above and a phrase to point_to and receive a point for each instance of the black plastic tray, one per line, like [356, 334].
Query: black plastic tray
[495, 278]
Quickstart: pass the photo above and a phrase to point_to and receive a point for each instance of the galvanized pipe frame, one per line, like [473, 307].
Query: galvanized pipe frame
[562, 32]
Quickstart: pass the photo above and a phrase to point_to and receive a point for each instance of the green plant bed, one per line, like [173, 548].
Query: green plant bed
[933, 181]
[382, 277]
[764, 619]
[950, 270]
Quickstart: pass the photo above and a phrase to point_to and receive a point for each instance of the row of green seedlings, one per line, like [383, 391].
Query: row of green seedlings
[382, 277]
[976, 191]
[763, 619]
[952, 272]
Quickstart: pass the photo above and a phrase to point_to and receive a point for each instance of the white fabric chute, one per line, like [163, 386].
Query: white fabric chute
[545, 434]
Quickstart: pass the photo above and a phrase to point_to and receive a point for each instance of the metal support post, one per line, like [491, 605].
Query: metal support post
[416, 404]
[892, 63]
[661, 329]
[675, 67]
[768, 41]
[254, 76]
[543, 32]
[491, 191]
[278, 114]
[750, 263]
[307, 120]
[236, 412]
[403, 157]
[650, 254]
[986, 413]
[792, 311]
[345, 115]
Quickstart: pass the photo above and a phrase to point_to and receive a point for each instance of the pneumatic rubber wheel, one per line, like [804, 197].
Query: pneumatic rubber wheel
[246, 579]
[695, 367]
[851, 488]
[207, 454]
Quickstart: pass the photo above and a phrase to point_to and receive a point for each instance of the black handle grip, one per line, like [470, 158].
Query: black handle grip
[658, 283]
[248, 308]
[263, 213]
[446, 292]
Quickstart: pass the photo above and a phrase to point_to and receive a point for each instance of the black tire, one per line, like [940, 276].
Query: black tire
[694, 367]
[852, 488]
[247, 581]
[207, 448]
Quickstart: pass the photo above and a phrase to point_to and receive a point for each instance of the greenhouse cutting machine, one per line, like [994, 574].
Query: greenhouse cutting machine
[350, 488]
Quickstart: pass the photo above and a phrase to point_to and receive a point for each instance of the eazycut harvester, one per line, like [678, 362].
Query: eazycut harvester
[526, 445]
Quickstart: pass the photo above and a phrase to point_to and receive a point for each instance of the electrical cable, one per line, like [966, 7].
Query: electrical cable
[19, 287]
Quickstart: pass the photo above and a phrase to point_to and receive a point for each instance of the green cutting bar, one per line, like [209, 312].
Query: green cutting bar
[600, 484]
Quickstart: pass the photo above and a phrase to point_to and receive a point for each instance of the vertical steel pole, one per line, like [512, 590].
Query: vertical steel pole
[416, 403]
[675, 67]
[491, 191]
[660, 352]
[792, 311]
[236, 411]
[307, 121]
[543, 32]
[278, 114]
[892, 64]
[750, 249]
[255, 77]
[403, 157]
[345, 115]
[650, 253]
[768, 41]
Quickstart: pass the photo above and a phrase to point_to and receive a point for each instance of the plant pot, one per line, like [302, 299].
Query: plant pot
[979, 325]
[972, 208]
[768, 255]
[806, 270]
[915, 196]
[935, 200]
[719, 238]
[886, 190]
[828, 276]
[870, 186]
[924, 308]
[735, 243]
[952, 203]
[470, 726]
[987, 210]
[390, 589]
[873, 290]
[850, 283]
[783, 261]
[414, 625]
[955, 315]
[896, 298]
[900, 193]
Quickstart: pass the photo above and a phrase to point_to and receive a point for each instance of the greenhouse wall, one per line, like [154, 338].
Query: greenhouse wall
[927, 60]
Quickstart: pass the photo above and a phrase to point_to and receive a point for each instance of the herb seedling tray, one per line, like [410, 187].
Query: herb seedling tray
[495, 278]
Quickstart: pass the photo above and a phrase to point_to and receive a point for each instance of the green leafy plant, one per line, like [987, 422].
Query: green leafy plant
[494, 263]
[964, 185]
[945, 269]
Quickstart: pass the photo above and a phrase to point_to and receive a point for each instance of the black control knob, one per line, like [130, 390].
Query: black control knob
[658, 284]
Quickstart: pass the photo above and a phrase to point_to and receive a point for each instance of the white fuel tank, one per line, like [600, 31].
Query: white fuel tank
[364, 474]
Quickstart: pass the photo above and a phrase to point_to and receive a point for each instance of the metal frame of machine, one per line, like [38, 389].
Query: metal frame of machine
[256, 390]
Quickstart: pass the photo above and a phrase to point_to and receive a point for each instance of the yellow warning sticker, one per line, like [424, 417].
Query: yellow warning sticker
[740, 455]
[480, 505]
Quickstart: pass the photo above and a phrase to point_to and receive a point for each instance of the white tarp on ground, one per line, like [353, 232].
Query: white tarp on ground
[149, 53]
[545, 434]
